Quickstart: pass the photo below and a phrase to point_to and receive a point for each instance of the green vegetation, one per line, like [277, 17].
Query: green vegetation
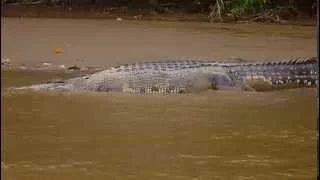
[264, 9]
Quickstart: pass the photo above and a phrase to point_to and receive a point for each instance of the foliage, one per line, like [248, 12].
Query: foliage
[237, 8]
[240, 7]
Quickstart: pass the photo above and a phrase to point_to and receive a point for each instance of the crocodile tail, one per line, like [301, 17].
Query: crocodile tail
[299, 71]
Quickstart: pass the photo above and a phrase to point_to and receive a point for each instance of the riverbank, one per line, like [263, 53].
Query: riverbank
[113, 13]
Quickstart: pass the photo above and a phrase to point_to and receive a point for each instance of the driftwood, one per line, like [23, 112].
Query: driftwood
[265, 16]
[275, 19]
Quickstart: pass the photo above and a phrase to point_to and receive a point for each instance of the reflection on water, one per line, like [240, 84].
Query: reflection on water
[213, 135]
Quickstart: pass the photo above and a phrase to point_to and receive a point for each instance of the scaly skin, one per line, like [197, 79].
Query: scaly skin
[188, 75]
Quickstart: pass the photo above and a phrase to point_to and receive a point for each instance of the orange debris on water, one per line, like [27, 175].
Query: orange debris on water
[58, 50]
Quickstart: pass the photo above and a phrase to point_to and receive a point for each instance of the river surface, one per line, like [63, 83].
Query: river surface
[210, 135]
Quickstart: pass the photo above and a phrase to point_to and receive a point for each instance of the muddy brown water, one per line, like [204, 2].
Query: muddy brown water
[209, 135]
[108, 42]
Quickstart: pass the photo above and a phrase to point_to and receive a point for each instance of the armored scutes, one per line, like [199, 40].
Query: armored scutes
[186, 75]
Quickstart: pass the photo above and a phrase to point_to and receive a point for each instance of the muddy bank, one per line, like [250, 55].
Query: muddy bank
[85, 11]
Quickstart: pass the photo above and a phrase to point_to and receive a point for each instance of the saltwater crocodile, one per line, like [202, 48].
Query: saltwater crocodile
[184, 75]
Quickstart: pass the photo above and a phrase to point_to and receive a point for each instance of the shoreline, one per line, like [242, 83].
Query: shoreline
[100, 13]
